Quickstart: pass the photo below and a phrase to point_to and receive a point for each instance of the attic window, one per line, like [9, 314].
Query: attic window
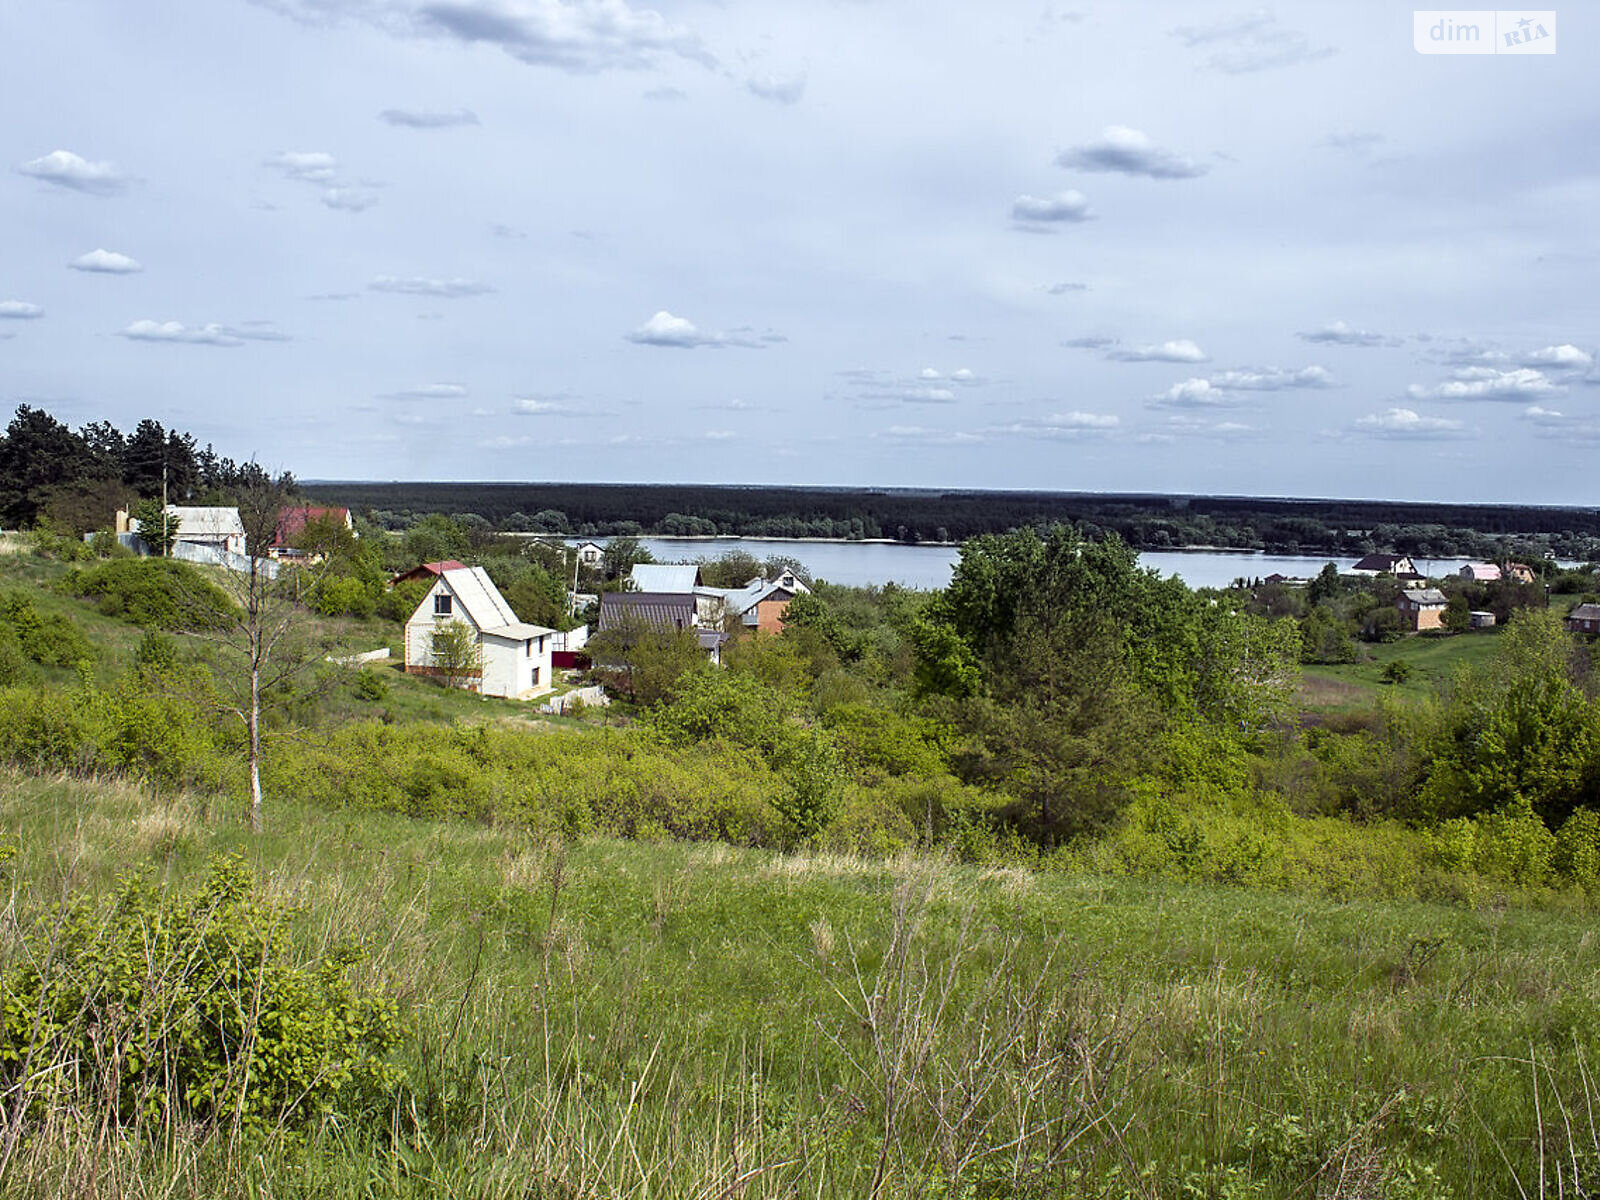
[441, 605]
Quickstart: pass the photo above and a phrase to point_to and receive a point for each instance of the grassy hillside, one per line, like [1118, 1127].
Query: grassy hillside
[623, 1019]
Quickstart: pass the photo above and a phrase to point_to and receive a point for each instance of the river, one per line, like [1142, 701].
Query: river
[859, 564]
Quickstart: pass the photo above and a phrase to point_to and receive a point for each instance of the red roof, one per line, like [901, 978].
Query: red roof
[426, 570]
[292, 521]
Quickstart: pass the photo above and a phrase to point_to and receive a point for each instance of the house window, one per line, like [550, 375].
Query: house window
[527, 651]
[534, 679]
[441, 605]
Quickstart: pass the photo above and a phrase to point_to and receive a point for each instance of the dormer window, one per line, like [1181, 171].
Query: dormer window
[441, 604]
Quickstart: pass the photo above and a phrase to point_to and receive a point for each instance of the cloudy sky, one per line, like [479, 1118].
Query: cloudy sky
[1184, 247]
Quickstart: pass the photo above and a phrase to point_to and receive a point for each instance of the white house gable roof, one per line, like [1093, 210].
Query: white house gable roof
[518, 631]
[481, 602]
[203, 521]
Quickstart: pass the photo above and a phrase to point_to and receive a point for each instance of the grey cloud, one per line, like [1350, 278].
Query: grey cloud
[1356, 142]
[779, 89]
[65, 169]
[20, 310]
[335, 296]
[1341, 334]
[106, 262]
[1041, 211]
[1089, 343]
[582, 37]
[666, 93]
[1252, 42]
[1061, 289]
[408, 118]
[416, 285]
[1129, 152]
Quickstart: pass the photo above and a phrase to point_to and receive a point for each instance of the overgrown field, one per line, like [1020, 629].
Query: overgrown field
[601, 1018]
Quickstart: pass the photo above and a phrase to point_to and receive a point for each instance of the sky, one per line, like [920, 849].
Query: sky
[1136, 246]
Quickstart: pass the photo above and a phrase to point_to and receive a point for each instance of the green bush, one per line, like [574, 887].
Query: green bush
[48, 639]
[1577, 855]
[13, 662]
[180, 1007]
[155, 593]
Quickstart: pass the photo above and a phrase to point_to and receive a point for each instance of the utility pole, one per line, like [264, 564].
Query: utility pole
[166, 542]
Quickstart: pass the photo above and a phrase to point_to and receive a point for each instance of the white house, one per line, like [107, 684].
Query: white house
[213, 526]
[516, 655]
[590, 553]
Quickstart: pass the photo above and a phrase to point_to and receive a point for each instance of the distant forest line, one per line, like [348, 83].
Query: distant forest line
[1146, 521]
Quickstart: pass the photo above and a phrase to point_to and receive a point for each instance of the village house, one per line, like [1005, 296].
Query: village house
[1584, 619]
[292, 522]
[761, 603]
[212, 527]
[516, 655]
[1421, 608]
[672, 611]
[1385, 564]
[1520, 573]
[590, 554]
[1480, 572]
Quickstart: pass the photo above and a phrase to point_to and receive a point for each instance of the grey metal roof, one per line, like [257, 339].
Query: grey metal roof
[664, 610]
[1425, 596]
[1585, 612]
[674, 578]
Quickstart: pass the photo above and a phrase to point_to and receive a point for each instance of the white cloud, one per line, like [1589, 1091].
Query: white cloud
[1562, 357]
[1543, 416]
[1179, 350]
[416, 285]
[920, 435]
[408, 118]
[1068, 207]
[175, 331]
[538, 406]
[65, 169]
[19, 310]
[428, 391]
[780, 89]
[1488, 383]
[1194, 393]
[106, 262]
[664, 329]
[1252, 42]
[1129, 152]
[1068, 425]
[1273, 379]
[719, 435]
[1357, 142]
[1405, 423]
[347, 199]
[307, 166]
[1341, 334]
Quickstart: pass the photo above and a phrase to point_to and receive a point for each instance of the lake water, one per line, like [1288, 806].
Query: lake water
[861, 563]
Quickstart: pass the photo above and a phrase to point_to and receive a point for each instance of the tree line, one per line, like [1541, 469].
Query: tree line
[73, 480]
[1145, 522]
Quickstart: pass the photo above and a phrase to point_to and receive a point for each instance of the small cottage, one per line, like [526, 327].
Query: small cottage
[516, 655]
[1584, 619]
[1421, 608]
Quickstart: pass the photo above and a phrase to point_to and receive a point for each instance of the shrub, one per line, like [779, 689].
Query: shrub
[13, 662]
[190, 1007]
[1397, 671]
[1577, 855]
[155, 593]
[49, 639]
